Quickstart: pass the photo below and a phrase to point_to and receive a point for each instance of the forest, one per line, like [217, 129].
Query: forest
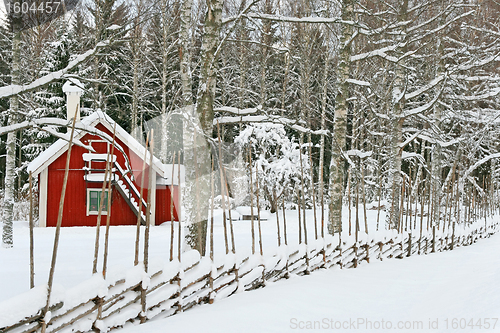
[371, 104]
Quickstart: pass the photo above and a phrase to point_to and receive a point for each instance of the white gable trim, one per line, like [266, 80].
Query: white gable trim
[42, 199]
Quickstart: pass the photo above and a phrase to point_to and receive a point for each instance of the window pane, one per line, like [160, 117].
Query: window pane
[105, 203]
[94, 201]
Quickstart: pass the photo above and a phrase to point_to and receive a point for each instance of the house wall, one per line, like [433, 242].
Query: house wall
[163, 200]
[75, 211]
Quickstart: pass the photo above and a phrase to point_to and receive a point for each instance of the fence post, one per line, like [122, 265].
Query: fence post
[409, 244]
[32, 256]
[433, 239]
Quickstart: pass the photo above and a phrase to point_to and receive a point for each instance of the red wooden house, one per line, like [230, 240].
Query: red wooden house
[86, 174]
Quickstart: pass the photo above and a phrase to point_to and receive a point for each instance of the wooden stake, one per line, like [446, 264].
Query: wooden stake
[258, 208]
[277, 219]
[152, 178]
[379, 191]
[211, 279]
[107, 171]
[363, 192]
[58, 225]
[433, 238]
[313, 192]
[172, 211]
[251, 198]
[401, 207]
[356, 228]
[299, 216]
[408, 202]
[212, 212]
[32, 247]
[303, 197]
[139, 211]
[222, 190]
[429, 210]
[349, 197]
[108, 219]
[422, 200]
[284, 220]
[233, 246]
[179, 211]
[149, 212]
[197, 187]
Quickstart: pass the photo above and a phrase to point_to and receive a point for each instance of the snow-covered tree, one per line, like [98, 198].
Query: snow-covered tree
[277, 159]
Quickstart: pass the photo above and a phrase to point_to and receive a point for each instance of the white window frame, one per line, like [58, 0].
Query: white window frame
[96, 212]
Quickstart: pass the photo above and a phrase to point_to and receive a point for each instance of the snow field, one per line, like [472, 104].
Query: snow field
[192, 281]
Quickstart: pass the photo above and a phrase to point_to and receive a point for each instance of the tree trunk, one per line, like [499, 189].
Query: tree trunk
[196, 235]
[436, 149]
[396, 131]
[340, 123]
[164, 75]
[10, 164]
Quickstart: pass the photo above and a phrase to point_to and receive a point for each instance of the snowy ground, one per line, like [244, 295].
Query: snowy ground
[453, 285]
[76, 248]
[434, 293]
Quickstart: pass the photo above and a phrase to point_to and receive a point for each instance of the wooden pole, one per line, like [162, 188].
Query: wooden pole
[179, 211]
[108, 217]
[303, 197]
[363, 192]
[299, 201]
[251, 198]
[58, 225]
[212, 212]
[408, 202]
[32, 247]
[258, 208]
[277, 219]
[429, 211]
[211, 279]
[139, 211]
[149, 212]
[151, 179]
[107, 170]
[433, 238]
[349, 198]
[233, 246]
[457, 198]
[356, 227]
[401, 207]
[222, 190]
[284, 220]
[379, 191]
[172, 211]
[415, 196]
[313, 192]
[422, 200]
[197, 187]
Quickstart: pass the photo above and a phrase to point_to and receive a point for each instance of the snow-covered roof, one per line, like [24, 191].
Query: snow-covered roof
[167, 172]
[60, 146]
[73, 86]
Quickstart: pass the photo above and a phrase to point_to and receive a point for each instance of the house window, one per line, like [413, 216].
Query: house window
[93, 200]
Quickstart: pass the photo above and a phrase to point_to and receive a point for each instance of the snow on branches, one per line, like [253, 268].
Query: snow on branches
[277, 158]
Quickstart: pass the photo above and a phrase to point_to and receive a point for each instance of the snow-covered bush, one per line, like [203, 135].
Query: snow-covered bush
[277, 160]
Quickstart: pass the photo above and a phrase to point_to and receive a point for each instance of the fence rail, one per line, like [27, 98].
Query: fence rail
[173, 287]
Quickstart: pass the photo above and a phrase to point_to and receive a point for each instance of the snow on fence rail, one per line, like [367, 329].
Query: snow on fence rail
[172, 287]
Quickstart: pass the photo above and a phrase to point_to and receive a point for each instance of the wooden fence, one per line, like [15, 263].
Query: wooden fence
[172, 287]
